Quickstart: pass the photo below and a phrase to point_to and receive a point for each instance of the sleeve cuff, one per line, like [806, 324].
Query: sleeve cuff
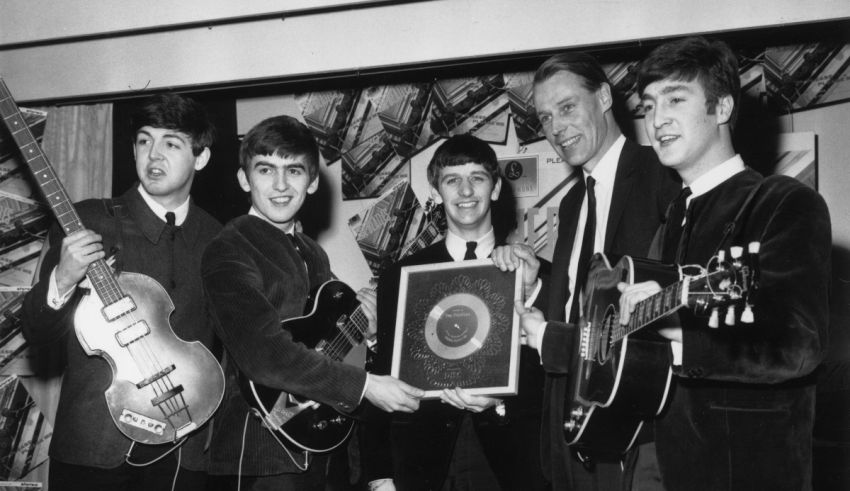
[676, 348]
[54, 300]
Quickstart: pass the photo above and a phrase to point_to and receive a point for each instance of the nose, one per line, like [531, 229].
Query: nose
[559, 124]
[659, 116]
[156, 151]
[280, 182]
[465, 188]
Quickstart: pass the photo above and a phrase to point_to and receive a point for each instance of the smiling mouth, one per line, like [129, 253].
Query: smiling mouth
[467, 204]
[666, 139]
[569, 142]
[281, 201]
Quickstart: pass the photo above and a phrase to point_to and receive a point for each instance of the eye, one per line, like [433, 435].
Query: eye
[544, 118]
[451, 181]
[567, 108]
[141, 140]
[295, 171]
[263, 171]
[478, 179]
[645, 107]
[676, 100]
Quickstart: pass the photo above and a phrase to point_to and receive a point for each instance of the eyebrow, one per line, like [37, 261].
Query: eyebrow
[173, 134]
[667, 89]
[266, 163]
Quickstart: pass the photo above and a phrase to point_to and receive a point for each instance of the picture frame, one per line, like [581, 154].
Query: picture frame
[456, 326]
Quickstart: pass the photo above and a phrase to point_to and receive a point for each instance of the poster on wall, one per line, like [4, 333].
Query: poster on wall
[519, 92]
[372, 167]
[23, 228]
[476, 105]
[329, 116]
[395, 226]
[24, 434]
[807, 75]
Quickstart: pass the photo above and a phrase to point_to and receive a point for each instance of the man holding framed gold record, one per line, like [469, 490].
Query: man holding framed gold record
[414, 451]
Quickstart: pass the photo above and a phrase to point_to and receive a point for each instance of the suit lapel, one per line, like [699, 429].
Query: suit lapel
[627, 164]
[568, 214]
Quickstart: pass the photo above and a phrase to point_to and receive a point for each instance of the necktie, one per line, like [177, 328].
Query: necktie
[470, 250]
[587, 241]
[169, 232]
[673, 226]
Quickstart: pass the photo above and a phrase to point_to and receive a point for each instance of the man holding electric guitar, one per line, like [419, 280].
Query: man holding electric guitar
[259, 271]
[741, 414]
[124, 317]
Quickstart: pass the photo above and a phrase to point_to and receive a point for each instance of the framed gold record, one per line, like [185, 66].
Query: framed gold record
[456, 327]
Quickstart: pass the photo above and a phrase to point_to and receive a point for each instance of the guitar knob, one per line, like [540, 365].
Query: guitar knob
[736, 252]
[747, 316]
[730, 316]
[577, 413]
[713, 320]
[569, 425]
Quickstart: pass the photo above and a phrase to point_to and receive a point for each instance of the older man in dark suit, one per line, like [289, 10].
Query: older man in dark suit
[616, 206]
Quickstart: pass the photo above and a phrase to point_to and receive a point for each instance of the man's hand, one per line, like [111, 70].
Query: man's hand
[531, 321]
[78, 251]
[509, 258]
[462, 399]
[632, 294]
[369, 302]
[391, 394]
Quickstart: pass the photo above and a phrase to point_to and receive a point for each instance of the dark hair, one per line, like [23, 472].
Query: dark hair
[711, 63]
[592, 75]
[283, 136]
[578, 63]
[176, 112]
[459, 150]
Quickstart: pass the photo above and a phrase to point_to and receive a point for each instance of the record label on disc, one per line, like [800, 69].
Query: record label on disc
[457, 326]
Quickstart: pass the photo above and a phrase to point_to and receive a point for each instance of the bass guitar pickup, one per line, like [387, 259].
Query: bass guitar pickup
[122, 307]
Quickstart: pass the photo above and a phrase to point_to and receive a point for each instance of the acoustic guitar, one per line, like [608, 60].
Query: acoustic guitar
[163, 387]
[620, 375]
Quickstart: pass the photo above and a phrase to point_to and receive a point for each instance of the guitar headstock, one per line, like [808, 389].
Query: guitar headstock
[725, 284]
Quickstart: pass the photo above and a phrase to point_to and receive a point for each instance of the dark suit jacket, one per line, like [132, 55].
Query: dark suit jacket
[375, 431]
[741, 416]
[642, 190]
[84, 433]
[254, 276]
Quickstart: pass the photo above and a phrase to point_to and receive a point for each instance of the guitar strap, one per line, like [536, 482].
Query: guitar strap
[115, 209]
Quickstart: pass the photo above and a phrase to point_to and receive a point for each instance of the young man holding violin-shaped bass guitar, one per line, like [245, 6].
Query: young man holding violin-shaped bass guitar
[153, 229]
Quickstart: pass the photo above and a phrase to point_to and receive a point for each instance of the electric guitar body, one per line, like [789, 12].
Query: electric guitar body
[335, 326]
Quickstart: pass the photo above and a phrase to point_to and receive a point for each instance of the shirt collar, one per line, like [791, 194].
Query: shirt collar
[180, 212]
[288, 229]
[606, 169]
[716, 176]
[457, 245]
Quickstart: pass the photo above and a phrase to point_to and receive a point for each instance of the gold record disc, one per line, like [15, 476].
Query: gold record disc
[457, 326]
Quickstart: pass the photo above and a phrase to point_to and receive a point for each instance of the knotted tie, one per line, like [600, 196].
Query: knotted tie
[170, 232]
[587, 241]
[674, 227]
[470, 250]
